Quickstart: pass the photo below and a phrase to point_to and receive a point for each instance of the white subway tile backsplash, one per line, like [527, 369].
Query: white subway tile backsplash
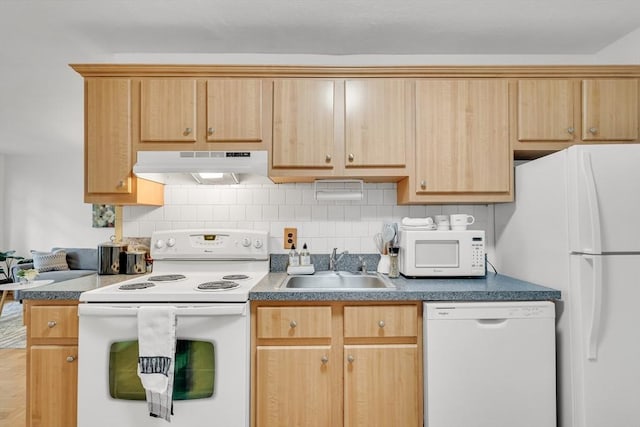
[347, 225]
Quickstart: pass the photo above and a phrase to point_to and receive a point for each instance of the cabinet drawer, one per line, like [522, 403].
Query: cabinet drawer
[54, 322]
[381, 321]
[294, 322]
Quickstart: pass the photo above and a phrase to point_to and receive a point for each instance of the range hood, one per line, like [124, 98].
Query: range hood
[202, 167]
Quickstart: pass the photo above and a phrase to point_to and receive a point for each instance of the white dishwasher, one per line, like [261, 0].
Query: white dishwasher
[489, 364]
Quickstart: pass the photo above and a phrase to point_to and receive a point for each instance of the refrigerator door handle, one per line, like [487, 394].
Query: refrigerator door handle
[592, 199]
[593, 329]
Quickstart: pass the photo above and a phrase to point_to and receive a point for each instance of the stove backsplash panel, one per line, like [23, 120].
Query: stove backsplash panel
[323, 225]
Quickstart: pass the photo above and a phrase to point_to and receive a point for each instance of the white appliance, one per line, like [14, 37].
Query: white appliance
[206, 275]
[203, 167]
[432, 253]
[575, 226]
[489, 364]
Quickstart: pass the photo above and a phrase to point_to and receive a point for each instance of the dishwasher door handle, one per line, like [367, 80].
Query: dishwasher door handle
[491, 323]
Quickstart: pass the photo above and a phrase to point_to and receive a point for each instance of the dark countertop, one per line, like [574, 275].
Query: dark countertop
[493, 287]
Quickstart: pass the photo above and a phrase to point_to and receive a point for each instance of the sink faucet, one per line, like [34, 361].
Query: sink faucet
[333, 262]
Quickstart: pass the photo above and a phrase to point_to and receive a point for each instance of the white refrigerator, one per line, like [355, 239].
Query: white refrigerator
[575, 226]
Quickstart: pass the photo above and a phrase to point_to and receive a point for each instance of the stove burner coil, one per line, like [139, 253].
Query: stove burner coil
[218, 285]
[235, 277]
[167, 278]
[134, 286]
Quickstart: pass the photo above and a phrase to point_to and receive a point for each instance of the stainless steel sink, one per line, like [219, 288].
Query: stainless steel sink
[337, 280]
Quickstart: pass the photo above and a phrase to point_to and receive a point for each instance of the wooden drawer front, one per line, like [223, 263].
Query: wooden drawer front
[381, 321]
[54, 322]
[294, 322]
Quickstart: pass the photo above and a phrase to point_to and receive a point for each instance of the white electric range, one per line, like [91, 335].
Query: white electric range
[206, 275]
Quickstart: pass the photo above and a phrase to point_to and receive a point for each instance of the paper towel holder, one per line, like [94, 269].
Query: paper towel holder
[338, 189]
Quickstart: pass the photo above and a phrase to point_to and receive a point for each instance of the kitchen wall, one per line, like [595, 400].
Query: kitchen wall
[2, 203]
[271, 207]
[44, 203]
[40, 212]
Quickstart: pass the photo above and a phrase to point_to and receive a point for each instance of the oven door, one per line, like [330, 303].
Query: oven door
[211, 384]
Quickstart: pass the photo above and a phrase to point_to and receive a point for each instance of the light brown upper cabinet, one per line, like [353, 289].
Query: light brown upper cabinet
[376, 114]
[551, 114]
[546, 110]
[341, 128]
[610, 110]
[462, 142]
[168, 110]
[304, 123]
[108, 151]
[202, 114]
[234, 110]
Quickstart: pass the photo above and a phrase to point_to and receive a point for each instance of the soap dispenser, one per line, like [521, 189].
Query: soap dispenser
[294, 259]
[305, 257]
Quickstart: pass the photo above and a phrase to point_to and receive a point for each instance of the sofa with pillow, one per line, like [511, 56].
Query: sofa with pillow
[61, 264]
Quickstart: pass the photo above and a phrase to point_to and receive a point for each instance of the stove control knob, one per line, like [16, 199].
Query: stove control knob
[160, 244]
[246, 242]
[171, 242]
[257, 244]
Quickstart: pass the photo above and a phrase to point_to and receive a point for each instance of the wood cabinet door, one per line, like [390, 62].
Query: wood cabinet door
[545, 110]
[168, 110]
[376, 113]
[293, 386]
[108, 136]
[610, 110]
[234, 110]
[462, 143]
[303, 123]
[53, 386]
[381, 385]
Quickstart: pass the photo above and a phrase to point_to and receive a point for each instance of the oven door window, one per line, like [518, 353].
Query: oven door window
[437, 253]
[194, 372]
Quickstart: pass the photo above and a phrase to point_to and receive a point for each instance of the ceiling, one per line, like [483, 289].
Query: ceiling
[41, 97]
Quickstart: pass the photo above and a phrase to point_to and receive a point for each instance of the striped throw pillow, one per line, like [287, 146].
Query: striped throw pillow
[50, 261]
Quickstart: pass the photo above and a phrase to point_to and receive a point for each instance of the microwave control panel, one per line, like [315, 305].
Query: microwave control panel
[477, 254]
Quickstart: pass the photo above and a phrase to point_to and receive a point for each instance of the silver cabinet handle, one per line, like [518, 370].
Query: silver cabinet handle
[327, 158]
[351, 157]
[71, 358]
[571, 130]
[324, 360]
[51, 323]
[187, 131]
[350, 359]
[381, 323]
[593, 130]
[293, 324]
[121, 183]
[423, 183]
[211, 131]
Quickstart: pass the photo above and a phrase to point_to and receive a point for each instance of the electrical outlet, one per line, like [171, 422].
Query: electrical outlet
[290, 237]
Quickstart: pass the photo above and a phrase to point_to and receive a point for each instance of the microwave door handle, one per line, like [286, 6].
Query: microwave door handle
[114, 311]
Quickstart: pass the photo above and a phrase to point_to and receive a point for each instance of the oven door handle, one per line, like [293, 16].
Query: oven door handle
[213, 310]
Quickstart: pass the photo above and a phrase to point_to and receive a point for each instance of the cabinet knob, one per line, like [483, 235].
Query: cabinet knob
[51, 323]
[293, 324]
[187, 131]
[351, 157]
[350, 359]
[71, 358]
[423, 184]
[120, 183]
[570, 130]
[324, 360]
[211, 131]
[593, 130]
[381, 323]
[327, 158]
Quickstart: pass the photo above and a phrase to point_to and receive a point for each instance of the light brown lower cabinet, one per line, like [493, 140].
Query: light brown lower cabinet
[52, 363]
[365, 370]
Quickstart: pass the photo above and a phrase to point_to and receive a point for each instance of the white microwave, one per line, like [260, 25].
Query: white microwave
[434, 253]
